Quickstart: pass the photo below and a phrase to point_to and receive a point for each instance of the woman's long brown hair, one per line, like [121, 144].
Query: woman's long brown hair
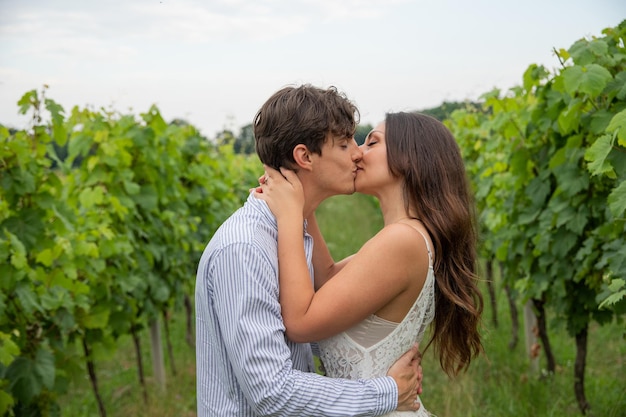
[422, 150]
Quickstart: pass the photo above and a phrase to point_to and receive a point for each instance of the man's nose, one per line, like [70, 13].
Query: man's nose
[357, 155]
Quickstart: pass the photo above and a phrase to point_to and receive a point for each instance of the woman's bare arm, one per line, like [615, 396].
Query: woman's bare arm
[377, 274]
[323, 263]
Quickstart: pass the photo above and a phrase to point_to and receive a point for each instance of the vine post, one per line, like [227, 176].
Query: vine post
[158, 362]
[530, 333]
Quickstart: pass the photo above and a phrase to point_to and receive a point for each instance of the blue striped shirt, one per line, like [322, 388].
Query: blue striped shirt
[245, 365]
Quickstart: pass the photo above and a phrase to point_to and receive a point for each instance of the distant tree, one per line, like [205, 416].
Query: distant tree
[179, 122]
[225, 137]
[443, 111]
[61, 153]
[244, 143]
[361, 133]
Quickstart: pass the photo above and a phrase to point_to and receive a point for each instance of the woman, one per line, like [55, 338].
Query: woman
[420, 268]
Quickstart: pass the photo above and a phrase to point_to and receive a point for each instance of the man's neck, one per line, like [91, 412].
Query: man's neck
[310, 204]
[312, 196]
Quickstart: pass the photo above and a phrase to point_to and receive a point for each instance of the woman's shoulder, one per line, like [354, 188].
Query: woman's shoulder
[409, 230]
[404, 237]
[397, 236]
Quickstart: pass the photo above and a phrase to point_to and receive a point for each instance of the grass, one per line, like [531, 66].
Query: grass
[503, 383]
[500, 383]
[119, 381]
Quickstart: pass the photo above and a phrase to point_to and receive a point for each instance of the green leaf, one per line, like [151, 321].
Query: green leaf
[617, 200]
[160, 292]
[24, 382]
[558, 159]
[27, 100]
[596, 156]
[45, 257]
[147, 198]
[571, 180]
[599, 121]
[44, 367]
[8, 349]
[131, 187]
[594, 80]
[571, 77]
[569, 119]
[91, 197]
[58, 125]
[598, 47]
[154, 120]
[579, 221]
[580, 52]
[92, 162]
[79, 144]
[28, 225]
[56, 111]
[537, 190]
[590, 80]
[18, 252]
[59, 133]
[616, 284]
[613, 299]
[6, 402]
[584, 51]
[57, 296]
[96, 318]
[130, 282]
[27, 298]
[617, 86]
[618, 122]
[528, 216]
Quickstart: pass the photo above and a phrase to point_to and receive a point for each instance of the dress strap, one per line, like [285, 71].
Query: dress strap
[430, 254]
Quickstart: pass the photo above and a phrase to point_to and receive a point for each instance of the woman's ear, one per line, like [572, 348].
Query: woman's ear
[302, 156]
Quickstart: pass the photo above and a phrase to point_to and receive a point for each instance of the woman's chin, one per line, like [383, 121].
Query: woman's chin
[359, 188]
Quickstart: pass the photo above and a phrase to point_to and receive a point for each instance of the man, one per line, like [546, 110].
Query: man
[245, 365]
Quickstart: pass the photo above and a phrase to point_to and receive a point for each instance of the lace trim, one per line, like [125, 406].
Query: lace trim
[405, 319]
[345, 358]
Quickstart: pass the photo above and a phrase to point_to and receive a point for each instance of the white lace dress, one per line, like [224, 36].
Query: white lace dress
[370, 348]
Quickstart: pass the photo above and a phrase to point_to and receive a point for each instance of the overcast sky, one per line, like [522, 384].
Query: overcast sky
[215, 62]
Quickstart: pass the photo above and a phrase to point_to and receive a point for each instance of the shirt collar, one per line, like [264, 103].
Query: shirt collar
[262, 207]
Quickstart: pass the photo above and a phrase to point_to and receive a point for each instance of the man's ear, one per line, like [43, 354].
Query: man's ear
[302, 156]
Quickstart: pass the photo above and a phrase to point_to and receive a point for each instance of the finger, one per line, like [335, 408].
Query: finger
[409, 355]
[270, 171]
[289, 174]
[416, 348]
[416, 405]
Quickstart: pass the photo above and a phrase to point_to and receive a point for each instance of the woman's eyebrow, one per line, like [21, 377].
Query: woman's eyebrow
[370, 134]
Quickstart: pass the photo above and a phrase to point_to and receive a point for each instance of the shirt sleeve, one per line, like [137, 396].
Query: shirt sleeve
[246, 303]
